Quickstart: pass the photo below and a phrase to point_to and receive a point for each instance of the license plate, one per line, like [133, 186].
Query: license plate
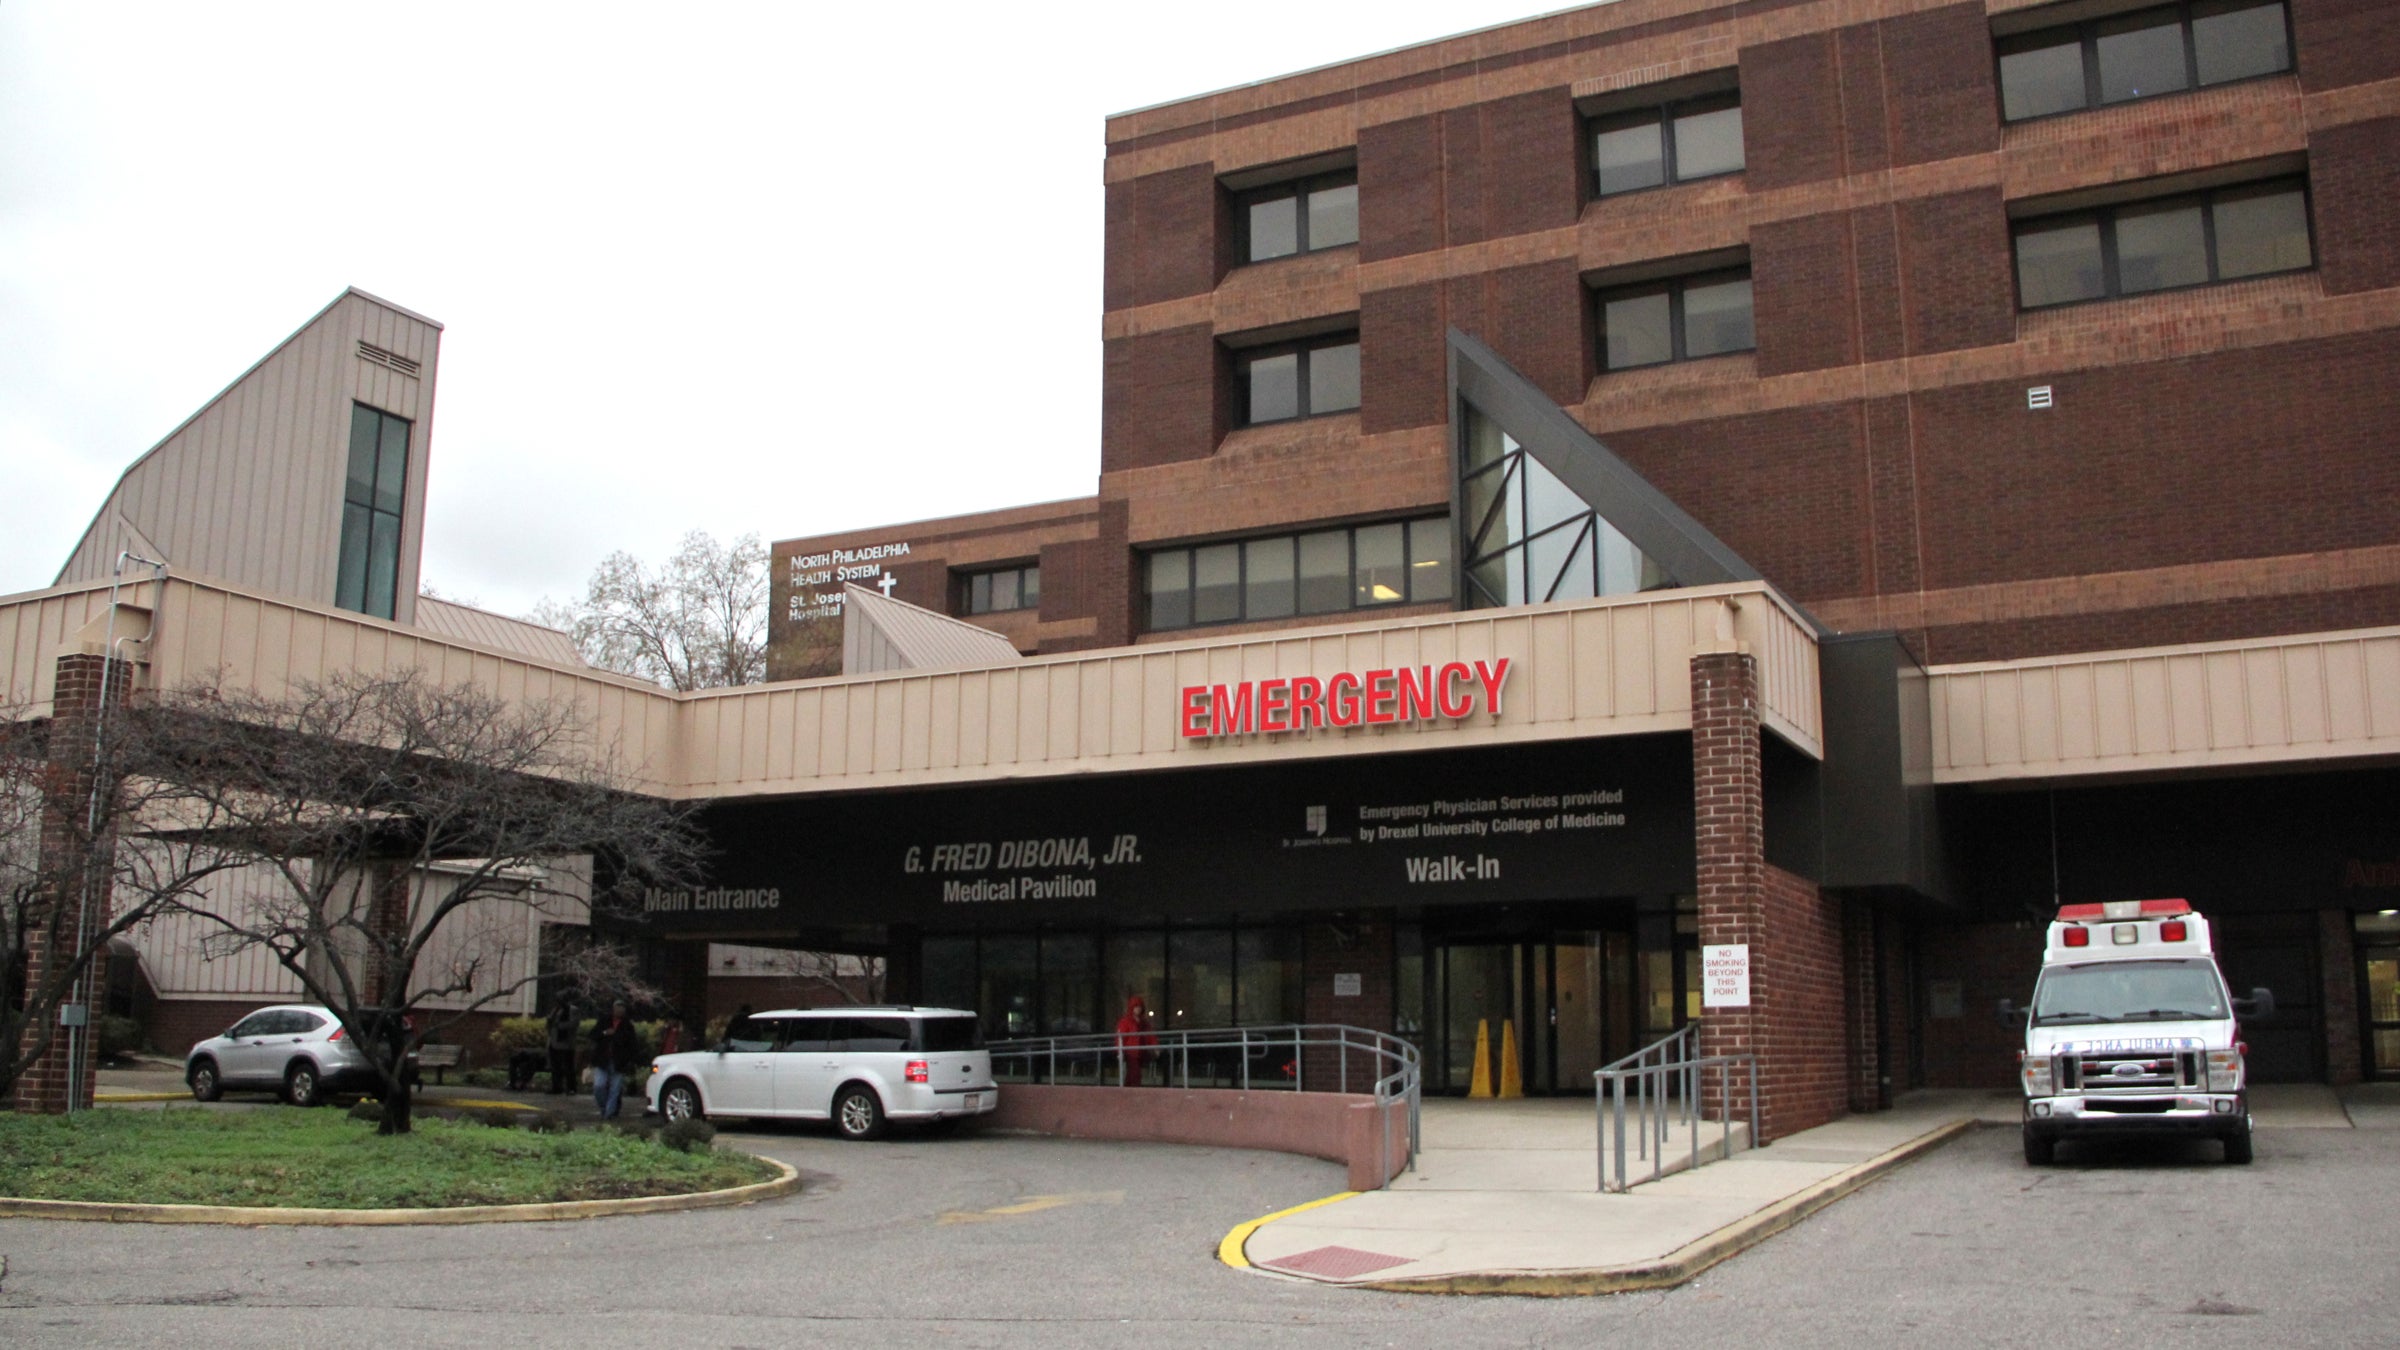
[974, 1100]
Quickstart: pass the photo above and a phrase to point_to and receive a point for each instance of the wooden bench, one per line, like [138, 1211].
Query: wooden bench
[439, 1058]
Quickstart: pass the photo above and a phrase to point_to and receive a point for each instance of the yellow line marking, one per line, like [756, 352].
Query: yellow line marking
[1033, 1204]
[474, 1102]
[139, 1096]
[1230, 1251]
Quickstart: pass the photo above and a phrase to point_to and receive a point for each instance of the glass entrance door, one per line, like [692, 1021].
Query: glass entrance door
[1570, 1000]
[1481, 987]
[2379, 973]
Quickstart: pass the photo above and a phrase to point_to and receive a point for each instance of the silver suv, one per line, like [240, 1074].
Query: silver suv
[858, 1067]
[297, 1049]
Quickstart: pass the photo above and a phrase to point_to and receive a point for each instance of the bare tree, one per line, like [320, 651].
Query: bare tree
[404, 829]
[697, 622]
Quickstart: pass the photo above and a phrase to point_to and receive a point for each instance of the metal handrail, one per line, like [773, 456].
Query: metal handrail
[1093, 1057]
[1664, 1071]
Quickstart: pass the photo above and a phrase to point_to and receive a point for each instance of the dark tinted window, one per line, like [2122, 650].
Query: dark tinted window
[303, 1022]
[1299, 217]
[1301, 379]
[945, 1035]
[256, 1024]
[2174, 242]
[1321, 572]
[754, 1034]
[1001, 590]
[1670, 143]
[367, 567]
[1677, 320]
[2141, 55]
[876, 1033]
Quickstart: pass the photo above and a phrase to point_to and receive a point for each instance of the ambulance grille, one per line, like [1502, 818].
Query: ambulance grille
[2141, 1072]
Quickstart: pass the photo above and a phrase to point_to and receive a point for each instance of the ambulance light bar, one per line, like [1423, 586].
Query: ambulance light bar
[2117, 910]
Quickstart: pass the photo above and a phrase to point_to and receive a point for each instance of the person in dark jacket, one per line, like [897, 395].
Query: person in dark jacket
[614, 1049]
[562, 1045]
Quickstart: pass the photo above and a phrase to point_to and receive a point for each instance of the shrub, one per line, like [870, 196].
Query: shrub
[521, 1033]
[688, 1136]
[548, 1122]
[366, 1108]
[117, 1036]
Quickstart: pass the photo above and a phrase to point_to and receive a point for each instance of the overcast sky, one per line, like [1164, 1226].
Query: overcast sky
[688, 257]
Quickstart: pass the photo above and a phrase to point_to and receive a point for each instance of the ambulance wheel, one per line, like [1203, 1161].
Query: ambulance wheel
[2237, 1146]
[2039, 1149]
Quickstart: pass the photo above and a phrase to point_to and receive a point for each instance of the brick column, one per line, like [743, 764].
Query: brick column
[1796, 1023]
[54, 930]
[387, 886]
[2345, 1057]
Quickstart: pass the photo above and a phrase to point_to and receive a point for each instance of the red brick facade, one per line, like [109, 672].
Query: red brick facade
[1798, 938]
[1859, 473]
[50, 1083]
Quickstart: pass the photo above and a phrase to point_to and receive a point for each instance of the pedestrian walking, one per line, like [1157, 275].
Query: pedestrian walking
[562, 1045]
[613, 1052]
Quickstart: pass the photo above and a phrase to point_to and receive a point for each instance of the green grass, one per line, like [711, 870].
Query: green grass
[282, 1157]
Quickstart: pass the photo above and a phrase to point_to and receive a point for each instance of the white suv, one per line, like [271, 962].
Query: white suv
[859, 1067]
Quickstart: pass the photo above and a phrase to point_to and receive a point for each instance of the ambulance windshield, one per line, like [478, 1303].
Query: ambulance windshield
[2128, 991]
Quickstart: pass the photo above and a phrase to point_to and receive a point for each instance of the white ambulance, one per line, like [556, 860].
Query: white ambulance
[2133, 1032]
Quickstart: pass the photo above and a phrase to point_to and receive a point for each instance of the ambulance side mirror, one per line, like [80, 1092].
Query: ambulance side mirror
[2259, 1007]
[2008, 1013]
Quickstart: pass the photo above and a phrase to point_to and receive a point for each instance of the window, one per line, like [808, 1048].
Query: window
[368, 579]
[1299, 217]
[2141, 55]
[1671, 143]
[999, 591]
[1300, 379]
[1321, 572]
[1681, 319]
[2191, 240]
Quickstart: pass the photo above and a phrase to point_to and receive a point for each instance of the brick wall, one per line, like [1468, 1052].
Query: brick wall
[2344, 42]
[2351, 172]
[1162, 398]
[1163, 237]
[1348, 944]
[1989, 962]
[1796, 1023]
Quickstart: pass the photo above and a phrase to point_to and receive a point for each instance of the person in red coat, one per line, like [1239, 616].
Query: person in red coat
[1133, 1042]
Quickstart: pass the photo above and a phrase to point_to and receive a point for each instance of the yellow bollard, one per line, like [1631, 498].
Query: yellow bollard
[1482, 1086]
[1512, 1082]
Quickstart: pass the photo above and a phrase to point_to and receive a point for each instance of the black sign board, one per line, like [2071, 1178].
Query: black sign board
[1565, 820]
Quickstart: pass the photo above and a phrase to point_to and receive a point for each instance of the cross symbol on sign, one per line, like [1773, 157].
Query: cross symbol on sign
[886, 583]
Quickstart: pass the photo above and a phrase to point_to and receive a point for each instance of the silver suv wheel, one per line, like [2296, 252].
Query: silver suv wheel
[859, 1113]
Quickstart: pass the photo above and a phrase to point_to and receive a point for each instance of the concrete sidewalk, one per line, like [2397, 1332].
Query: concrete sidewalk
[1506, 1199]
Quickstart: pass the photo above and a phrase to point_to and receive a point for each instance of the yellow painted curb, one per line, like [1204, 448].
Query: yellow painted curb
[99, 1097]
[115, 1212]
[1686, 1262]
[1229, 1250]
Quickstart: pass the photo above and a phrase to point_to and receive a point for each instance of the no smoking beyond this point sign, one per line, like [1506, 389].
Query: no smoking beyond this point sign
[1725, 976]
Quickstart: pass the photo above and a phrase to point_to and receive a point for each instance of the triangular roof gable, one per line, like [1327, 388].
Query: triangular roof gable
[881, 633]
